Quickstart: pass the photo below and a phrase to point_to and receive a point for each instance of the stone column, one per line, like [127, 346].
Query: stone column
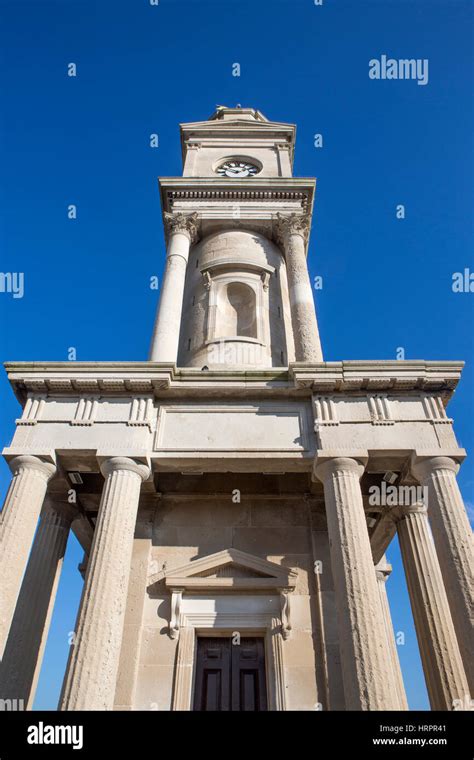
[182, 232]
[92, 669]
[382, 571]
[453, 540]
[292, 233]
[18, 521]
[444, 672]
[366, 671]
[23, 655]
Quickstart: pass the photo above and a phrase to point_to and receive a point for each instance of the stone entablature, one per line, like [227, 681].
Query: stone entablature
[256, 207]
[141, 410]
[218, 420]
[117, 378]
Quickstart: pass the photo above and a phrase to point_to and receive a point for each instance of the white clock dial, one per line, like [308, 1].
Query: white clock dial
[239, 169]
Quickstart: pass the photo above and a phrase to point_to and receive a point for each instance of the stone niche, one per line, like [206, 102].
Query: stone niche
[236, 308]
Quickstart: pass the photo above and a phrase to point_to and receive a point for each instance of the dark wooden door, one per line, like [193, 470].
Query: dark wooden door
[230, 676]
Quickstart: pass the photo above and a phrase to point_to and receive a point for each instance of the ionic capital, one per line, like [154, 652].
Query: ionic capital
[291, 224]
[26, 462]
[115, 464]
[187, 224]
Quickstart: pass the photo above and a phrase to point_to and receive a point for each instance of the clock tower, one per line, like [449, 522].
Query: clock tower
[230, 492]
[236, 290]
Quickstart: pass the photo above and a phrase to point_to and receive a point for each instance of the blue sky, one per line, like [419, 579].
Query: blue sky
[142, 69]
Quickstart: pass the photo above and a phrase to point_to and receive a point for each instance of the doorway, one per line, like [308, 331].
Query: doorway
[230, 676]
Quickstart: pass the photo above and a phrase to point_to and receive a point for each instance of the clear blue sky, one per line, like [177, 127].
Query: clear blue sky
[143, 69]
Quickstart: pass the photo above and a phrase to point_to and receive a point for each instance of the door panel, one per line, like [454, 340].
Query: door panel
[230, 677]
[248, 675]
[212, 691]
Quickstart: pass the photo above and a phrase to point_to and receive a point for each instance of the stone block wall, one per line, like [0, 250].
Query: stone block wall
[290, 532]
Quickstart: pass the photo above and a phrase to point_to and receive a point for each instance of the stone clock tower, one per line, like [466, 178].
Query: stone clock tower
[223, 490]
[236, 290]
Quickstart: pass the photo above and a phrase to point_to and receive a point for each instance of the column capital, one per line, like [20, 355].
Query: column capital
[326, 467]
[29, 462]
[422, 466]
[114, 464]
[187, 224]
[292, 224]
[399, 513]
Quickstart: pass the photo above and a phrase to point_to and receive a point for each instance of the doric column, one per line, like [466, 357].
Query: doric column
[182, 232]
[382, 572]
[25, 645]
[292, 233]
[18, 521]
[453, 540]
[366, 671]
[92, 669]
[444, 672]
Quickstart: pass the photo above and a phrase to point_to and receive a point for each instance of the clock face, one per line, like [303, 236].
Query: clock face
[238, 169]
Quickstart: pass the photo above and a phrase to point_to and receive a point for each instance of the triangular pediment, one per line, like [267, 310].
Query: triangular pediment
[228, 569]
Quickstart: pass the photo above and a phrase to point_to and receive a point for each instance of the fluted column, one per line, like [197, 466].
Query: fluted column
[453, 540]
[182, 232]
[18, 521]
[21, 664]
[293, 231]
[444, 672]
[367, 676]
[92, 670]
[382, 571]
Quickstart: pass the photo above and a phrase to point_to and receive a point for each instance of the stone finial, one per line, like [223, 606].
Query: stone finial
[185, 223]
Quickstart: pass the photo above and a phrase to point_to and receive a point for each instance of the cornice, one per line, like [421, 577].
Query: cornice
[212, 196]
[393, 375]
[272, 184]
[155, 378]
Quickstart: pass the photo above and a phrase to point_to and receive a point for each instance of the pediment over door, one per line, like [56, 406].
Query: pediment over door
[228, 571]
